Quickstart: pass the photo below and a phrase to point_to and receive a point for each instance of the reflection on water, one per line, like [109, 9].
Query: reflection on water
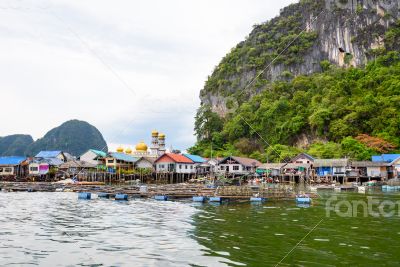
[57, 229]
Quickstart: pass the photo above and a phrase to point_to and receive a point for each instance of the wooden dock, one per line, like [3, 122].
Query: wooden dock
[172, 191]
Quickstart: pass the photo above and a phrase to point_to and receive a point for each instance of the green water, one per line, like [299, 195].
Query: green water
[263, 235]
[57, 229]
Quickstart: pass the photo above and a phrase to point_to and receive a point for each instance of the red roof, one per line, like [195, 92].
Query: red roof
[177, 158]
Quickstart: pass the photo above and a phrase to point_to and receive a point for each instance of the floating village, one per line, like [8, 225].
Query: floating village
[155, 172]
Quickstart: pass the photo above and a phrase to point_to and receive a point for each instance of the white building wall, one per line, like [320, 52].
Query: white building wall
[34, 169]
[231, 168]
[185, 168]
[6, 170]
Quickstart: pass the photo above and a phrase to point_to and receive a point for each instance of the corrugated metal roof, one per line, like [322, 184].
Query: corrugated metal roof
[369, 164]
[99, 153]
[124, 157]
[195, 158]
[76, 164]
[278, 166]
[11, 161]
[177, 158]
[48, 154]
[244, 161]
[385, 157]
[305, 155]
[331, 162]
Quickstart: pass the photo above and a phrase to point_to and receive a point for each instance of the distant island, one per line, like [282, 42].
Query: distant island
[74, 137]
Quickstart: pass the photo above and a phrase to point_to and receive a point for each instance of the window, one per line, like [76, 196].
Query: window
[8, 170]
[34, 169]
[1, 169]
[180, 166]
[235, 168]
[191, 167]
[110, 161]
[186, 167]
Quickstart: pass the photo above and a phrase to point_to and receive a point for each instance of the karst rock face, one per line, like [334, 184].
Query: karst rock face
[331, 30]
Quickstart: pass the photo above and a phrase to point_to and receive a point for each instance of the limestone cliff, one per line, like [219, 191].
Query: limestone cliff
[343, 35]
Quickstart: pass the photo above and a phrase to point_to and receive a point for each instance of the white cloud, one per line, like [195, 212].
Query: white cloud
[164, 51]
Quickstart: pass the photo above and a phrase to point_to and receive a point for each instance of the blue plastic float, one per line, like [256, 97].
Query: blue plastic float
[199, 199]
[121, 197]
[84, 195]
[103, 195]
[215, 199]
[161, 198]
[257, 199]
[303, 199]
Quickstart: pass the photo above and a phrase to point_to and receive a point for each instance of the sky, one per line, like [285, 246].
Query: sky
[125, 66]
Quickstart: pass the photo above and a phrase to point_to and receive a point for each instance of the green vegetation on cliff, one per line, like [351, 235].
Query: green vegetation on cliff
[331, 108]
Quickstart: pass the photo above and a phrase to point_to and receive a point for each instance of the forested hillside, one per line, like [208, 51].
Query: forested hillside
[349, 107]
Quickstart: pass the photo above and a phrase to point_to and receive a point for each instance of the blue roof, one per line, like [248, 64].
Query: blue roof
[124, 157]
[48, 154]
[385, 157]
[99, 153]
[11, 160]
[195, 158]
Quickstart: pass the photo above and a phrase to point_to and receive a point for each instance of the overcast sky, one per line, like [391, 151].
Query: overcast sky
[126, 67]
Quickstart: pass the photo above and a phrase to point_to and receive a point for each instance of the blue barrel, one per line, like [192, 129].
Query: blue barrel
[84, 195]
[121, 197]
[257, 199]
[199, 199]
[103, 195]
[215, 199]
[303, 200]
[161, 198]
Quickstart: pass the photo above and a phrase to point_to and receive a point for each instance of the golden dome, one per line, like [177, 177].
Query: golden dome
[120, 149]
[161, 135]
[128, 151]
[154, 133]
[141, 147]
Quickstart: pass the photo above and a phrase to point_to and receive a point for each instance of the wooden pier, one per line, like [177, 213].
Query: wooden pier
[172, 191]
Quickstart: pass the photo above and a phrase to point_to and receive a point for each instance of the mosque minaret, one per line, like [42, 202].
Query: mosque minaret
[141, 149]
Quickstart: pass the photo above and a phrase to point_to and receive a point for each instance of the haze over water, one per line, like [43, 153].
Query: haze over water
[57, 229]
